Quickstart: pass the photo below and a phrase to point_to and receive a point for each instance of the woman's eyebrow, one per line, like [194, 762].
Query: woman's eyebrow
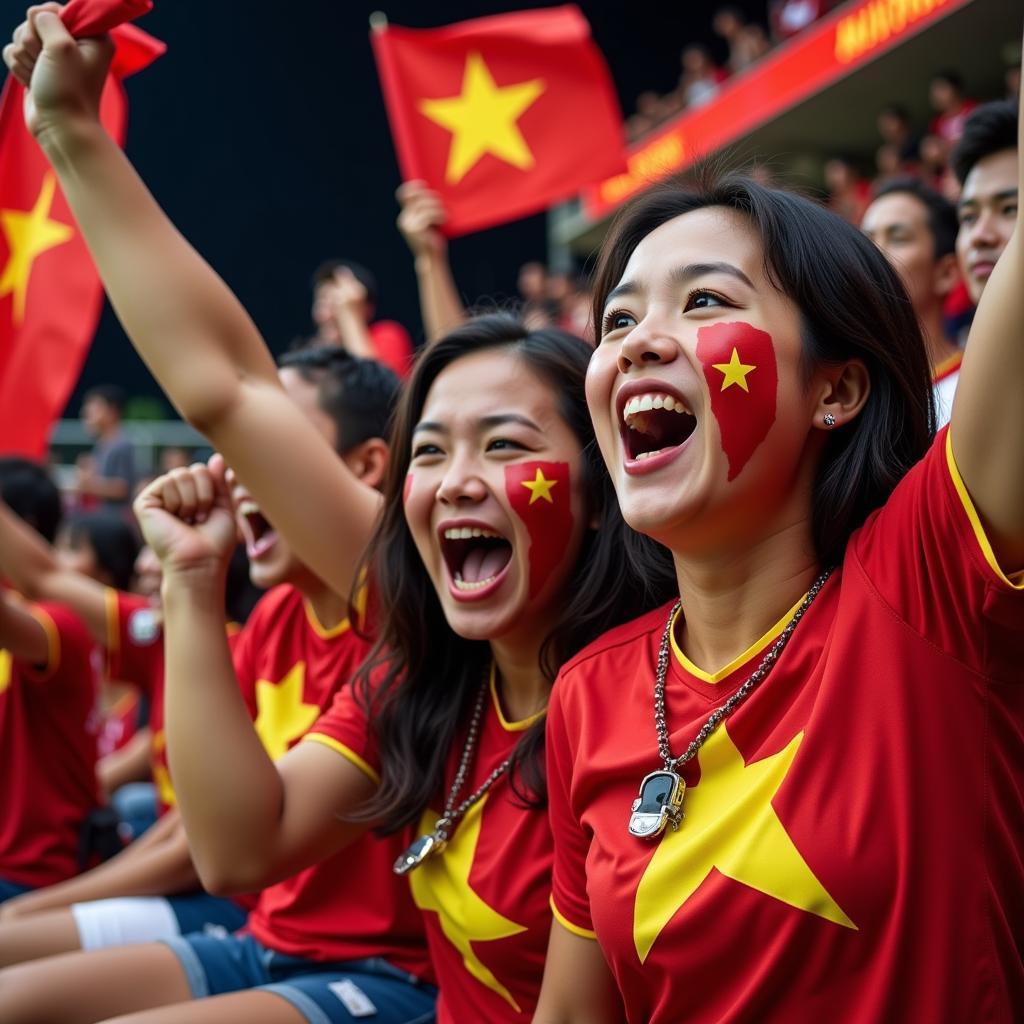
[685, 274]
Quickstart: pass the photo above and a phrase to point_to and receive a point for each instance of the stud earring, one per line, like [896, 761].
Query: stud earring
[829, 420]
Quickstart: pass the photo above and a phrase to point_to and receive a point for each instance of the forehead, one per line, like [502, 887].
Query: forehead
[487, 383]
[992, 175]
[710, 235]
[896, 208]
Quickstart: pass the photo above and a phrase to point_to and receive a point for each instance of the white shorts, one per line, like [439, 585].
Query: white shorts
[124, 921]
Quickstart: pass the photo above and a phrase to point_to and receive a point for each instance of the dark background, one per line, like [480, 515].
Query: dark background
[263, 135]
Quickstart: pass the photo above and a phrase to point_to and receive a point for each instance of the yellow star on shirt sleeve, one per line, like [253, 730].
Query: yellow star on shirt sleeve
[441, 884]
[282, 717]
[540, 487]
[482, 119]
[734, 372]
[29, 234]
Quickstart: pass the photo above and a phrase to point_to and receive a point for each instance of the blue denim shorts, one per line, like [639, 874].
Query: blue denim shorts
[201, 912]
[9, 889]
[324, 993]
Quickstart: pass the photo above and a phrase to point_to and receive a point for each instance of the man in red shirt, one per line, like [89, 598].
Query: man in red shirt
[48, 696]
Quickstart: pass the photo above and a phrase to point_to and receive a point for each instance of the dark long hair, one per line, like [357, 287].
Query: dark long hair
[421, 678]
[852, 304]
[113, 541]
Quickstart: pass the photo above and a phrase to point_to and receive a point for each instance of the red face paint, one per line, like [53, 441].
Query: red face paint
[406, 488]
[539, 493]
[739, 365]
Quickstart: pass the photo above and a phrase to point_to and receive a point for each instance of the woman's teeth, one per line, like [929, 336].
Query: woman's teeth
[646, 403]
[461, 584]
[469, 532]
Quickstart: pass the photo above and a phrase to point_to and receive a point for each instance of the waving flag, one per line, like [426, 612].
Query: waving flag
[50, 293]
[502, 115]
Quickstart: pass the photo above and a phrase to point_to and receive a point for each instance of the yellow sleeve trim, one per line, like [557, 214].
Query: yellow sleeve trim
[346, 752]
[52, 639]
[113, 617]
[583, 933]
[741, 659]
[975, 520]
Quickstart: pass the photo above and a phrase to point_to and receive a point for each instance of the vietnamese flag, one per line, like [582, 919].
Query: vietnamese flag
[50, 293]
[502, 116]
[539, 493]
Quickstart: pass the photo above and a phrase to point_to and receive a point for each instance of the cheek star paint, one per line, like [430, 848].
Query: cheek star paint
[539, 493]
[739, 365]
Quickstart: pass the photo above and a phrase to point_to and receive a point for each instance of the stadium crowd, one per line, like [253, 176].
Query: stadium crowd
[280, 733]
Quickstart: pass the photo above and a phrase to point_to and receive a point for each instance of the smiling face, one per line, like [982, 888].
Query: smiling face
[697, 389]
[493, 498]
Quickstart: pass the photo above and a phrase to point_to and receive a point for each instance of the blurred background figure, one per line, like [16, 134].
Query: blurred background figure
[106, 475]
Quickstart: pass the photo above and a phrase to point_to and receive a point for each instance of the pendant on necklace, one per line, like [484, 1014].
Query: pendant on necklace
[421, 848]
[660, 802]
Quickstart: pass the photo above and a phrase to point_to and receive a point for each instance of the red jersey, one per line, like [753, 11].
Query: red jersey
[850, 849]
[48, 727]
[135, 654]
[392, 345]
[486, 912]
[349, 906]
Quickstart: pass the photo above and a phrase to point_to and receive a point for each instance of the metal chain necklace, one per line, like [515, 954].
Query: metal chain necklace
[435, 841]
[661, 793]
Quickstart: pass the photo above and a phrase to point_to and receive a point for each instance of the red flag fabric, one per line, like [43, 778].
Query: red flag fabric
[50, 293]
[502, 116]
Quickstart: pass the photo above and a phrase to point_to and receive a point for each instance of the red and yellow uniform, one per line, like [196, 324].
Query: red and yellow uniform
[485, 899]
[350, 906]
[850, 845]
[48, 726]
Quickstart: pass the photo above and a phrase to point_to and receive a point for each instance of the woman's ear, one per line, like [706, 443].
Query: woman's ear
[369, 461]
[843, 392]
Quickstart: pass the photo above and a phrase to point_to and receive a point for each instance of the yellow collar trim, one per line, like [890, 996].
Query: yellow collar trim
[319, 628]
[740, 659]
[524, 723]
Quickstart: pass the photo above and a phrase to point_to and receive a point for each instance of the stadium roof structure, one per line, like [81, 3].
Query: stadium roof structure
[816, 96]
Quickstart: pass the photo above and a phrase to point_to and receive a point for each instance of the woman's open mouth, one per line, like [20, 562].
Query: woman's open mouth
[476, 557]
[654, 428]
[258, 534]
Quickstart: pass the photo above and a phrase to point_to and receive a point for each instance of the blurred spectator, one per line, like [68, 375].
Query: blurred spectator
[746, 43]
[934, 154]
[895, 128]
[344, 304]
[107, 474]
[701, 77]
[532, 282]
[888, 163]
[986, 163]
[790, 17]
[848, 193]
[101, 545]
[916, 228]
[947, 97]
[651, 110]
[174, 458]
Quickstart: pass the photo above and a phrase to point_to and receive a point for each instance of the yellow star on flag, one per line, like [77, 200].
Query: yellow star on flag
[29, 234]
[441, 884]
[282, 717]
[540, 487]
[5, 670]
[735, 372]
[482, 119]
[730, 825]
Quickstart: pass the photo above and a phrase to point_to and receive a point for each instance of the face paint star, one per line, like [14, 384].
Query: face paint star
[29, 234]
[734, 371]
[729, 824]
[5, 670]
[482, 119]
[282, 717]
[540, 487]
[441, 884]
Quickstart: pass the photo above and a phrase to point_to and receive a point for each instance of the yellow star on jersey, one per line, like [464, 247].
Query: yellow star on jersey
[540, 487]
[729, 825]
[29, 234]
[161, 776]
[482, 119]
[5, 669]
[442, 884]
[734, 372]
[281, 716]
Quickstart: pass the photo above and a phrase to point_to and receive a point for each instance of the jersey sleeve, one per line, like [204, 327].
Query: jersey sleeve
[134, 639]
[345, 729]
[926, 554]
[392, 344]
[69, 646]
[569, 902]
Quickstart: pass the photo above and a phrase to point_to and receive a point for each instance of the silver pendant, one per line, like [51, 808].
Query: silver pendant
[660, 802]
[422, 848]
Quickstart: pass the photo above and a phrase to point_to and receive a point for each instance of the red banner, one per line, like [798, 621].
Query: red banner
[503, 115]
[50, 293]
[851, 37]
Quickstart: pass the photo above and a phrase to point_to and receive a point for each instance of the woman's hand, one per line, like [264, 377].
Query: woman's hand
[420, 219]
[63, 77]
[187, 519]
